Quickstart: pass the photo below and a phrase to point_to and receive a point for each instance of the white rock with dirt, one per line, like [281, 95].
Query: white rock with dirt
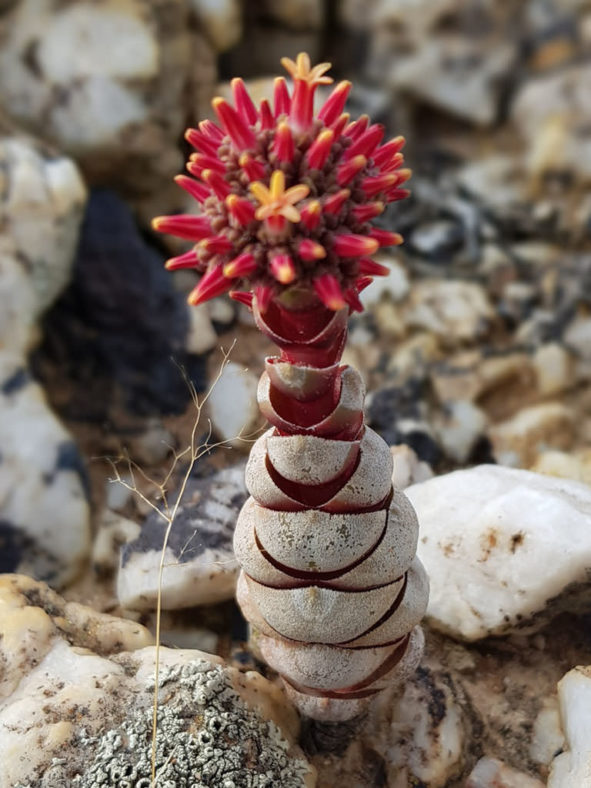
[505, 549]
[573, 766]
[62, 657]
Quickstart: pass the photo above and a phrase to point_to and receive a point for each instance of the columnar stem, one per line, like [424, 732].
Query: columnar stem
[330, 581]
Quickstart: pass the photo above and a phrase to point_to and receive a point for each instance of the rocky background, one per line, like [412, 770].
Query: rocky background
[476, 350]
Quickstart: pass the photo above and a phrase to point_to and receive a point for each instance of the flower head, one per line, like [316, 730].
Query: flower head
[287, 196]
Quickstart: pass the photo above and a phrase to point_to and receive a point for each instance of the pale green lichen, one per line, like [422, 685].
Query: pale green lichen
[207, 736]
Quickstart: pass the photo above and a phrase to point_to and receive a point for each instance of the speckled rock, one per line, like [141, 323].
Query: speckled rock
[552, 112]
[62, 657]
[44, 509]
[436, 52]
[120, 115]
[505, 549]
[297, 14]
[220, 21]
[573, 766]
[455, 311]
[459, 426]
[408, 469]
[41, 203]
[574, 465]
[199, 563]
[113, 530]
[517, 441]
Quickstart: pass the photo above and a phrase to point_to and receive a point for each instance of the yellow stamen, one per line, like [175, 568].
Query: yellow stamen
[302, 69]
[275, 201]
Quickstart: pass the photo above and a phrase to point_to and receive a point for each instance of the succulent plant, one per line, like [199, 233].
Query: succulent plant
[330, 581]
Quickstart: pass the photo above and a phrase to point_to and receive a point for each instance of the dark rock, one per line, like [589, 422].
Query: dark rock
[16, 382]
[118, 332]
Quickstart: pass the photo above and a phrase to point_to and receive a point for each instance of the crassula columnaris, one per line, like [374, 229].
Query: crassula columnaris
[330, 583]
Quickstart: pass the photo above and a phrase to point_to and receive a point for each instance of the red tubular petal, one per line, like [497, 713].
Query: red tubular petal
[329, 292]
[392, 195]
[367, 142]
[211, 284]
[236, 127]
[387, 151]
[184, 225]
[310, 215]
[385, 237]
[362, 282]
[204, 162]
[242, 297]
[217, 183]
[241, 209]
[311, 250]
[282, 268]
[319, 150]
[352, 299]
[334, 104]
[283, 146]
[356, 129]
[243, 102]
[187, 260]
[197, 190]
[335, 202]
[347, 171]
[253, 169]
[210, 130]
[393, 164]
[240, 267]
[368, 211]
[403, 176]
[281, 100]
[373, 185]
[216, 244]
[199, 141]
[302, 104]
[354, 245]
[263, 295]
[267, 120]
[369, 267]
[339, 125]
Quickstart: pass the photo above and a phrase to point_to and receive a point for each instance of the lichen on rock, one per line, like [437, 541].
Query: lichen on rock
[208, 736]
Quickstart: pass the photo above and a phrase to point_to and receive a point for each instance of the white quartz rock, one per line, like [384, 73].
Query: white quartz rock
[573, 767]
[44, 508]
[492, 773]
[42, 199]
[233, 405]
[505, 549]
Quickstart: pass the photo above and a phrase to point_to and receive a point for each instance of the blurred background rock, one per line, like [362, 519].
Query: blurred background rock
[477, 348]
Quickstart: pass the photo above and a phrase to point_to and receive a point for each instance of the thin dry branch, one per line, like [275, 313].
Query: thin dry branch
[168, 511]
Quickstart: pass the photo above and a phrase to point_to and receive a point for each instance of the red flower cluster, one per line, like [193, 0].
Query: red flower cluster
[286, 196]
